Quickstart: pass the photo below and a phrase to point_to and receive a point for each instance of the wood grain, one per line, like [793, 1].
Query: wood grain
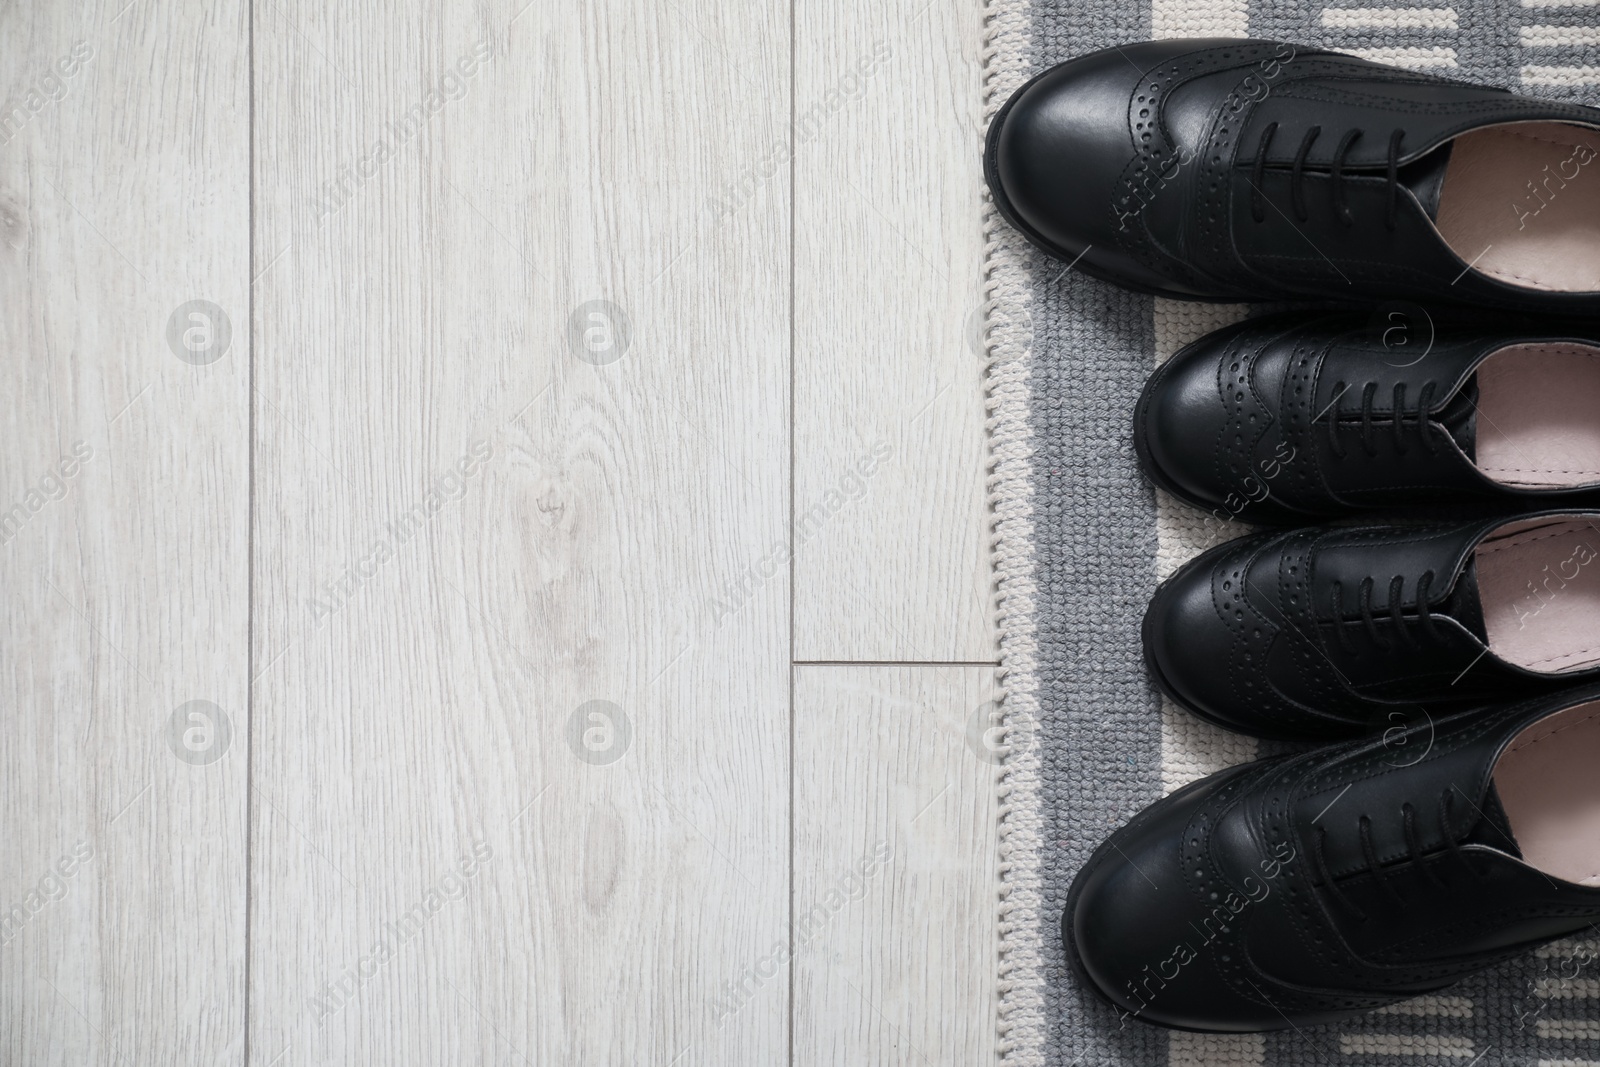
[895, 917]
[890, 540]
[124, 167]
[441, 876]
[494, 642]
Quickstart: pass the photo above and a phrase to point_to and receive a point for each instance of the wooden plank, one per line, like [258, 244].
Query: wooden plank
[487, 501]
[895, 936]
[124, 522]
[890, 531]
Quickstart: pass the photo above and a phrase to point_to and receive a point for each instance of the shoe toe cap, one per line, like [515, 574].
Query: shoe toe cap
[1183, 425]
[1064, 146]
[1060, 153]
[1152, 941]
[1190, 644]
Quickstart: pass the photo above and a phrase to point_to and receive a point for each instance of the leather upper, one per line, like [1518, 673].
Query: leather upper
[1319, 633]
[1190, 169]
[1306, 889]
[1290, 419]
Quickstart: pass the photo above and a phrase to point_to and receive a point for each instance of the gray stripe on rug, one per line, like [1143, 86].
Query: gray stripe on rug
[1095, 549]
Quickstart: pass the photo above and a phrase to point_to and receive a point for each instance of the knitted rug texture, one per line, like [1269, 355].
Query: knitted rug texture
[1081, 540]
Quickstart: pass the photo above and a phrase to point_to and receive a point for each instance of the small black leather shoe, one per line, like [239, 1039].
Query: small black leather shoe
[1252, 170]
[1292, 419]
[1311, 888]
[1329, 632]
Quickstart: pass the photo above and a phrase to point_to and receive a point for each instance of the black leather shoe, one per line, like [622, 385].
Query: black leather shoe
[1329, 632]
[1289, 420]
[1251, 170]
[1311, 888]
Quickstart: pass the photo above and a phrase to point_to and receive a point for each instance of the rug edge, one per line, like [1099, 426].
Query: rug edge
[1021, 1022]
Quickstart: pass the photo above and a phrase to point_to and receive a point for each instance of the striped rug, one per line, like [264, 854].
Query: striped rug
[1081, 541]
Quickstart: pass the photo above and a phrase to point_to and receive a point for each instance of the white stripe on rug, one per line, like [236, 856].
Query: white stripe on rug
[1559, 36]
[1564, 77]
[1571, 948]
[1569, 1029]
[1443, 1007]
[1434, 1048]
[1409, 57]
[1216, 1050]
[1567, 988]
[1190, 747]
[1204, 18]
[1390, 18]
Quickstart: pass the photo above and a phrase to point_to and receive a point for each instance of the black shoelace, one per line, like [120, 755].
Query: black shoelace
[1400, 416]
[1395, 609]
[1369, 854]
[1297, 196]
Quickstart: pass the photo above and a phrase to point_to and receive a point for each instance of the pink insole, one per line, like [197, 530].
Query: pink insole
[1547, 784]
[1539, 415]
[1521, 203]
[1539, 583]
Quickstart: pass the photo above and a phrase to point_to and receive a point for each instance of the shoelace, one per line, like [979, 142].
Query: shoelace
[1336, 173]
[1414, 854]
[1395, 610]
[1402, 418]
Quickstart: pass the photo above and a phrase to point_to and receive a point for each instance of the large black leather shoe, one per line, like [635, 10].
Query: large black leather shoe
[1311, 888]
[1329, 632]
[1292, 419]
[1252, 170]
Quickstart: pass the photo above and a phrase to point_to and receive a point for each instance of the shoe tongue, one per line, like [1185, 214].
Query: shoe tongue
[1493, 829]
[1460, 418]
[1425, 178]
[1464, 604]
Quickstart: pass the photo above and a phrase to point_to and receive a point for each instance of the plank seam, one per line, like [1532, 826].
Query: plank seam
[895, 663]
[250, 545]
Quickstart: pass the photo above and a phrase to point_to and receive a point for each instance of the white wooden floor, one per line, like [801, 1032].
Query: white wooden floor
[492, 534]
